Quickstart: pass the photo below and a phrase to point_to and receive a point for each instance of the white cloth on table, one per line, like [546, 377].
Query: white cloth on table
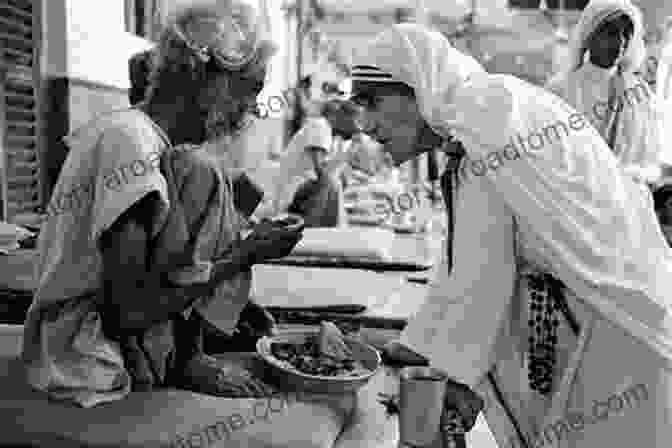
[354, 243]
[299, 287]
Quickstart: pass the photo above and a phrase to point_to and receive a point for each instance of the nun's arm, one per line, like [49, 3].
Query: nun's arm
[460, 324]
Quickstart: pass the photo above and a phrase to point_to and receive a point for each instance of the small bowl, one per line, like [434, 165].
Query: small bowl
[302, 382]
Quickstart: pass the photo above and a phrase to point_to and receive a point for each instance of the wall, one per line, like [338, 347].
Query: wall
[84, 69]
[98, 45]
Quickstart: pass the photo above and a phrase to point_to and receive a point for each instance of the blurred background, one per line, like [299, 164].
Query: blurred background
[62, 65]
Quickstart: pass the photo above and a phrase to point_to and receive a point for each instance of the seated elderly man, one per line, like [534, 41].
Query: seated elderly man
[142, 245]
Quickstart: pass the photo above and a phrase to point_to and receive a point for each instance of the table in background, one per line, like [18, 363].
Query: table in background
[17, 284]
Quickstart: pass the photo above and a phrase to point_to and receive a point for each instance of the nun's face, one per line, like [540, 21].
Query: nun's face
[394, 120]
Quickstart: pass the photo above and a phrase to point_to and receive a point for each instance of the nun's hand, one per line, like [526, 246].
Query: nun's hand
[396, 354]
[465, 402]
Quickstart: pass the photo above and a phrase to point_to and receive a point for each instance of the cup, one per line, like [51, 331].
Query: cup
[421, 393]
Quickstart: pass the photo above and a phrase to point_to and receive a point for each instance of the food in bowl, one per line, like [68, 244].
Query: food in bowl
[322, 354]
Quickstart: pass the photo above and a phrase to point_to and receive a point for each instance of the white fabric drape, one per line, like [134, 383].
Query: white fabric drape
[664, 93]
[596, 225]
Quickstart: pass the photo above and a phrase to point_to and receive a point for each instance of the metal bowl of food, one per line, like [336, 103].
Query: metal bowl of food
[294, 364]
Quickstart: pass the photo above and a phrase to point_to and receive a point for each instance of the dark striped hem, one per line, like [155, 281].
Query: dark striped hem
[369, 73]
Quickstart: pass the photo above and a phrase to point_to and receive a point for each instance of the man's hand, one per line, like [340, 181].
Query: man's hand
[268, 243]
[255, 322]
[211, 376]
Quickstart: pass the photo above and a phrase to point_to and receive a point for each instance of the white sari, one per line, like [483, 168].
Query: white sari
[565, 209]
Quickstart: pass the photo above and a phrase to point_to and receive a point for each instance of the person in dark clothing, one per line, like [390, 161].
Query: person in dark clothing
[662, 199]
[319, 200]
[301, 93]
[139, 66]
[128, 285]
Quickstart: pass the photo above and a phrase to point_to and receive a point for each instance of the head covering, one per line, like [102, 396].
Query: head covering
[594, 15]
[632, 127]
[593, 223]
[402, 52]
[230, 32]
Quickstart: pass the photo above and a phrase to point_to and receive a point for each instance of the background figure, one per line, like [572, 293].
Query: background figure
[301, 98]
[140, 66]
[602, 83]
[664, 91]
[664, 74]
[319, 200]
[306, 179]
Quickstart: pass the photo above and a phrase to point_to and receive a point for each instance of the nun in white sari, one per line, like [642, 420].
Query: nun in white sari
[557, 309]
[601, 81]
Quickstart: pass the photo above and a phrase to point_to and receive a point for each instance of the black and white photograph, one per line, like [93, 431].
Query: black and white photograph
[335, 223]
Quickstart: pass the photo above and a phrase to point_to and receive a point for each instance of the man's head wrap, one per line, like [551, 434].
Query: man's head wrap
[230, 33]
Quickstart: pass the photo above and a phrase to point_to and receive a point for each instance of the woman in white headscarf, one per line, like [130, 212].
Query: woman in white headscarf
[606, 50]
[554, 305]
[664, 84]
[664, 68]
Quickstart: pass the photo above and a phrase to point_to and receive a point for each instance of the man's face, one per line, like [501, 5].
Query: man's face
[609, 42]
[228, 100]
[394, 120]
